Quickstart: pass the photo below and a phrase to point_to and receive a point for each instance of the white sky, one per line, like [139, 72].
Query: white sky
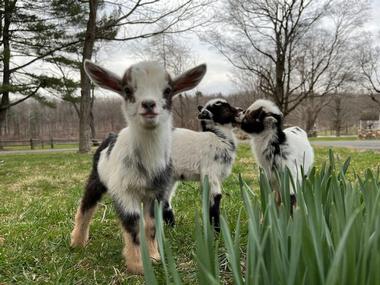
[218, 77]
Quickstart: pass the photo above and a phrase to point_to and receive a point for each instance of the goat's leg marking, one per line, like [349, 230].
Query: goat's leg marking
[131, 251]
[215, 211]
[93, 193]
[215, 199]
[132, 254]
[80, 233]
[168, 215]
[150, 235]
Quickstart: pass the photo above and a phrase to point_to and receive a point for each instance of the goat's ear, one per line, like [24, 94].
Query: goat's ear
[189, 79]
[200, 108]
[103, 77]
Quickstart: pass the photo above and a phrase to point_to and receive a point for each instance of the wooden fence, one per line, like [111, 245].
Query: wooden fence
[34, 143]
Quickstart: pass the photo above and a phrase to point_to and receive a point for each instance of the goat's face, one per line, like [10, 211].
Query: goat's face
[147, 90]
[260, 116]
[219, 111]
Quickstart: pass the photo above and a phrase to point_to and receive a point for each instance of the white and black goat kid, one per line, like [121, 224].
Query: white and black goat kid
[210, 152]
[275, 148]
[135, 166]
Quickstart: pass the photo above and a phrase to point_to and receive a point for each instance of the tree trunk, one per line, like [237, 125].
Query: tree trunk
[92, 118]
[85, 102]
[337, 128]
[6, 60]
[310, 122]
[279, 75]
[279, 89]
[338, 116]
[312, 112]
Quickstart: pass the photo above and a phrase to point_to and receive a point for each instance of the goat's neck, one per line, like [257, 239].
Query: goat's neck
[151, 147]
[266, 139]
[224, 132]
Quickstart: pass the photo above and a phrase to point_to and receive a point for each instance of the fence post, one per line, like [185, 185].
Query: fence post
[51, 143]
[31, 143]
[42, 144]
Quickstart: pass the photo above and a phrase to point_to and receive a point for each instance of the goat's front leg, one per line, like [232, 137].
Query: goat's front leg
[215, 199]
[167, 210]
[130, 224]
[92, 195]
[150, 231]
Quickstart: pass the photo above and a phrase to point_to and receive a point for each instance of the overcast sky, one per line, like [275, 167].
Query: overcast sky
[218, 77]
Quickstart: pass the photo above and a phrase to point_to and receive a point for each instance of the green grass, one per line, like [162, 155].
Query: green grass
[39, 194]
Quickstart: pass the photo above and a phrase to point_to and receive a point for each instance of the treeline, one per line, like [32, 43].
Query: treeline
[30, 119]
[303, 55]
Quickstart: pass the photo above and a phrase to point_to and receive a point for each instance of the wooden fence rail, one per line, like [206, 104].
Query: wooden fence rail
[33, 143]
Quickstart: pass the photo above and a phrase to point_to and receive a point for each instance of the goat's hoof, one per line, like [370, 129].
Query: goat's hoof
[78, 240]
[155, 260]
[168, 217]
[155, 257]
[217, 229]
[135, 268]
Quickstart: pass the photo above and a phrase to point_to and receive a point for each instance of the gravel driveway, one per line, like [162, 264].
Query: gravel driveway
[365, 145]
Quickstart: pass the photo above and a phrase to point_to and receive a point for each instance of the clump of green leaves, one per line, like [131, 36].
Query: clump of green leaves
[333, 236]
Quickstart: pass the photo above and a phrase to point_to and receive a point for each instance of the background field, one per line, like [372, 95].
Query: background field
[39, 195]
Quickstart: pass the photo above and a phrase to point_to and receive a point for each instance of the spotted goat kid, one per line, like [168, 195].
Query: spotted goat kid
[135, 166]
[210, 152]
[274, 147]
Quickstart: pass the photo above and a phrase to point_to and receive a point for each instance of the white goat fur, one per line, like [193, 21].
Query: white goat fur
[152, 145]
[210, 152]
[154, 150]
[135, 168]
[193, 156]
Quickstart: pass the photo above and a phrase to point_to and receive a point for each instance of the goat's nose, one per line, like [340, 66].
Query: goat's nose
[203, 115]
[148, 104]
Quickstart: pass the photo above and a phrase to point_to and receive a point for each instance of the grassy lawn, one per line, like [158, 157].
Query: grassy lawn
[39, 194]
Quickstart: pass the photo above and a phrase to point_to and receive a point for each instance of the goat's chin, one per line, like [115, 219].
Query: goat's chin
[149, 123]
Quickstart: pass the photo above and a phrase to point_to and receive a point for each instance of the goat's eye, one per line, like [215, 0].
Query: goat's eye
[167, 91]
[128, 91]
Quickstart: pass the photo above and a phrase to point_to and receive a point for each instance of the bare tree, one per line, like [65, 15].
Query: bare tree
[265, 37]
[171, 51]
[130, 21]
[339, 112]
[325, 65]
[369, 62]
